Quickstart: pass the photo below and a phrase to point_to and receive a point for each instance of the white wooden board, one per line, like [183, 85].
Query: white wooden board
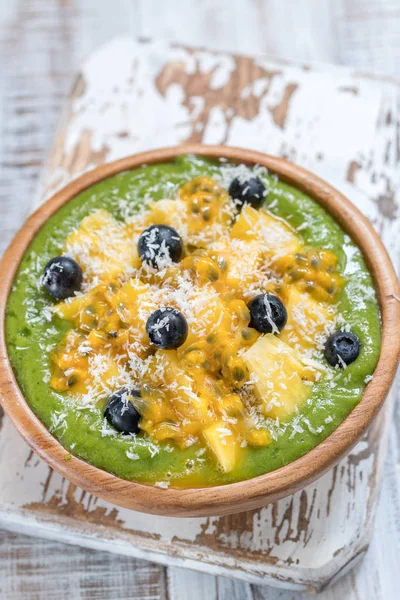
[130, 97]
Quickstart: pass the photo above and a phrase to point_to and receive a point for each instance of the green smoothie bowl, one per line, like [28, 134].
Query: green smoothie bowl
[196, 330]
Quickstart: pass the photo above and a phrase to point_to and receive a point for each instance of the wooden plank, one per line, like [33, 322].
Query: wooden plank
[67, 572]
[242, 99]
[183, 583]
[368, 34]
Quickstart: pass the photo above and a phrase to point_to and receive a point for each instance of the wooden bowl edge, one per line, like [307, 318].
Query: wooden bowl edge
[255, 492]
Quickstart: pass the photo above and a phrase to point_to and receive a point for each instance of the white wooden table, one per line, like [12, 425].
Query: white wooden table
[41, 43]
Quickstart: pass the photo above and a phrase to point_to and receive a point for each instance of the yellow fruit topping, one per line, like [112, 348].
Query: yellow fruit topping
[76, 369]
[241, 261]
[209, 209]
[308, 319]
[312, 271]
[278, 375]
[221, 440]
[274, 236]
[102, 247]
[202, 212]
[211, 389]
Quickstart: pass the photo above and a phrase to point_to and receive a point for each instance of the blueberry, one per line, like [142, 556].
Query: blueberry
[167, 328]
[251, 191]
[120, 412]
[342, 348]
[160, 243]
[62, 277]
[267, 313]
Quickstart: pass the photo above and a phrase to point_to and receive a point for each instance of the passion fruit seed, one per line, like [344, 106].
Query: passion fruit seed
[206, 214]
[167, 328]
[342, 348]
[315, 262]
[62, 277]
[159, 244]
[120, 412]
[267, 313]
[213, 274]
[238, 374]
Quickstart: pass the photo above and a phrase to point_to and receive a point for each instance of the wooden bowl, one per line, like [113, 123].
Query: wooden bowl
[245, 495]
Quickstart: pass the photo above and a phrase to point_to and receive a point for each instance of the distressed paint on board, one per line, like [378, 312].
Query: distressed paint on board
[304, 540]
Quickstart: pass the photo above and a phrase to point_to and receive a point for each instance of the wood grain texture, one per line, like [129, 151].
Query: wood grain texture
[266, 545]
[364, 33]
[74, 575]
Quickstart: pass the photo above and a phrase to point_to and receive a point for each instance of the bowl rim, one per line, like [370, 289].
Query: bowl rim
[257, 491]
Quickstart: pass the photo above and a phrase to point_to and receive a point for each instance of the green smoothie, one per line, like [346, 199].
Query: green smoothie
[33, 331]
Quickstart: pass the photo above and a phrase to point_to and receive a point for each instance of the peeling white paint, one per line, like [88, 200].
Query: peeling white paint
[124, 112]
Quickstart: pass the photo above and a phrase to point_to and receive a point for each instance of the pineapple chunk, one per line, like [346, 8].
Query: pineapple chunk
[77, 372]
[274, 235]
[102, 247]
[107, 304]
[102, 369]
[69, 309]
[308, 319]
[223, 443]
[278, 372]
[242, 261]
[165, 373]
[133, 302]
[169, 212]
[74, 309]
